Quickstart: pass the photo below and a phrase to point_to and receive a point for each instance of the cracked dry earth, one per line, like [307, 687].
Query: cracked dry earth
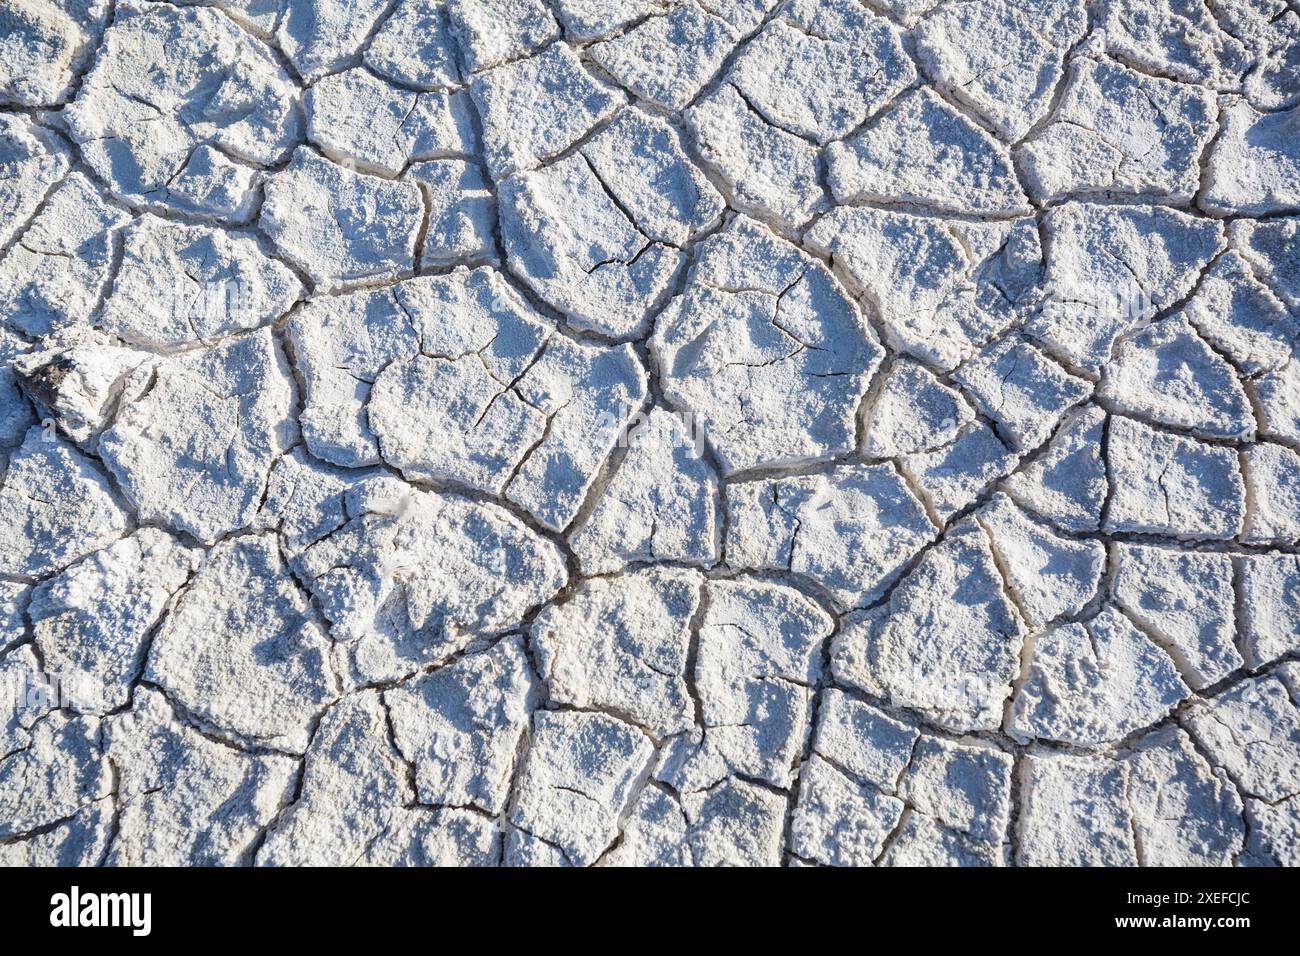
[650, 432]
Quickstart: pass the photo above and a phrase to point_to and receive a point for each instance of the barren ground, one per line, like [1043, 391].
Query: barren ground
[631, 432]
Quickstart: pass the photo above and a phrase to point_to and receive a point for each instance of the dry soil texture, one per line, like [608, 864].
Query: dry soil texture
[631, 432]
